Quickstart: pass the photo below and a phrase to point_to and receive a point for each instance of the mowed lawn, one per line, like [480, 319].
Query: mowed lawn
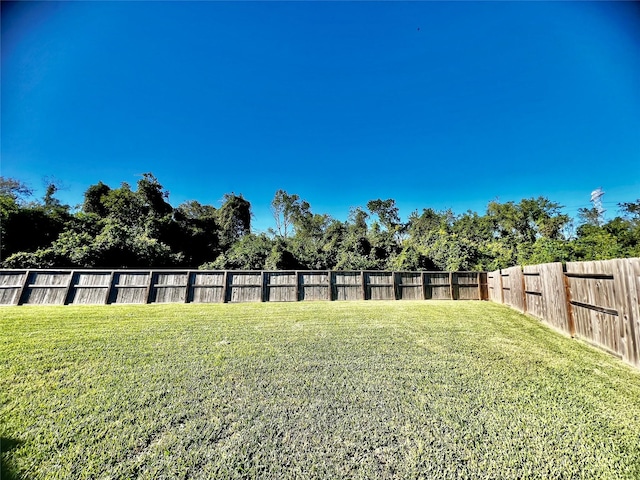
[309, 390]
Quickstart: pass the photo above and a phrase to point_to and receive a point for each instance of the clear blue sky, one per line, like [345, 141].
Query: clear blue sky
[434, 104]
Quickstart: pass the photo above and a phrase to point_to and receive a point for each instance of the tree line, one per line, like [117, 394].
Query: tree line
[138, 228]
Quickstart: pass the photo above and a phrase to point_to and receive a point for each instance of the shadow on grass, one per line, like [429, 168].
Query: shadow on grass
[7, 471]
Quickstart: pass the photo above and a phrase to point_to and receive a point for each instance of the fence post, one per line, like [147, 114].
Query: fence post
[188, 287]
[451, 285]
[364, 287]
[395, 286]
[68, 288]
[225, 281]
[149, 287]
[18, 299]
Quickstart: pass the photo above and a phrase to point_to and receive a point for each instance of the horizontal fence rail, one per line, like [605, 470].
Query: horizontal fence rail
[99, 287]
[597, 302]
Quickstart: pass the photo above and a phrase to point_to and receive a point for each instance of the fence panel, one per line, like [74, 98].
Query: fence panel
[632, 276]
[11, 286]
[348, 286]
[281, 286]
[598, 301]
[90, 288]
[380, 285]
[494, 284]
[437, 285]
[130, 287]
[314, 285]
[244, 287]
[169, 287]
[533, 291]
[48, 287]
[602, 312]
[513, 288]
[207, 287]
[410, 285]
[466, 286]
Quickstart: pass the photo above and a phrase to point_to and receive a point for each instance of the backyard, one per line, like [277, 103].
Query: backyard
[384, 389]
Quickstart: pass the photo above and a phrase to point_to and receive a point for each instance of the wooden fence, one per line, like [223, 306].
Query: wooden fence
[62, 287]
[594, 301]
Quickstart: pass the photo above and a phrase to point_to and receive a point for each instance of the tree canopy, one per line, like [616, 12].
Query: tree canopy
[127, 227]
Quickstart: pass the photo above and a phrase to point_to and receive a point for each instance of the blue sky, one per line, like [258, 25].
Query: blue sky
[434, 104]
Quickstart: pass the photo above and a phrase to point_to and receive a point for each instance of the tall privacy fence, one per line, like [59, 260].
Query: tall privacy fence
[594, 301]
[62, 287]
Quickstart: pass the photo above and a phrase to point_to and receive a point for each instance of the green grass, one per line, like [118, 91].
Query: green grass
[309, 390]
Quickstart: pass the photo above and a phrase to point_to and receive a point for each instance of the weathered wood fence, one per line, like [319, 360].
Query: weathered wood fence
[597, 302]
[62, 287]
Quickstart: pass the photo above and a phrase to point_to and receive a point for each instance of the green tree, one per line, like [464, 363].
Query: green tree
[250, 252]
[94, 198]
[234, 219]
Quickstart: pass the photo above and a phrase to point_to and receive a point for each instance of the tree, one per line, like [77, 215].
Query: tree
[94, 198]
[153, 196]
[234, 219]
[386, 211]
[125, 206]
[249, 253]
[289, 211]
[194, 232]
[14, 189]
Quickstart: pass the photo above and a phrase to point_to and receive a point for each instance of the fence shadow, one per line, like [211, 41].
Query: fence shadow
[7, 469]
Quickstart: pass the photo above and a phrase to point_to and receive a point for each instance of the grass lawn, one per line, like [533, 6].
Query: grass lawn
[309, 390]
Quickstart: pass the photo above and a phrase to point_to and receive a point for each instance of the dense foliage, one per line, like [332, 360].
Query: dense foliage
[123, 227]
